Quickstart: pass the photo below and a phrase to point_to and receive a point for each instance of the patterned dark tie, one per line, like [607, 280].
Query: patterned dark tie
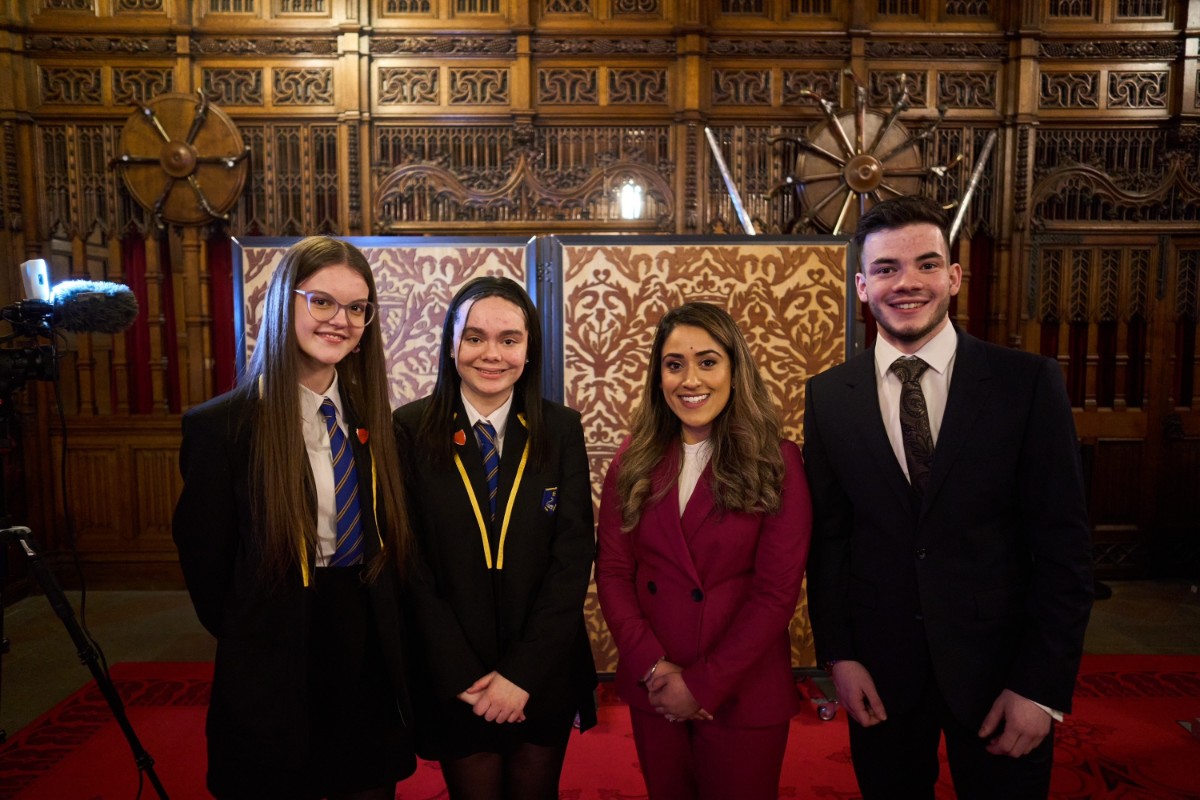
[485, 434]
[914, 421]
[349, 547]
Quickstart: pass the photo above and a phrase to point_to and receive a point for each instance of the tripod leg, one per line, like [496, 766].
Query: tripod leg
[87, 654]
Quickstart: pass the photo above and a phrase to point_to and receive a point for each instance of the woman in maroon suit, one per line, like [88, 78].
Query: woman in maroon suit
[704, 531]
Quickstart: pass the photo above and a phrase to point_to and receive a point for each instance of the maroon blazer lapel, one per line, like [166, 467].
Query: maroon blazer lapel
[667, 525]
[700, 506]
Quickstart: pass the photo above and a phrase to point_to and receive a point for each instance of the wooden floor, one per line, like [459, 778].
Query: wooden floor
[43, 667]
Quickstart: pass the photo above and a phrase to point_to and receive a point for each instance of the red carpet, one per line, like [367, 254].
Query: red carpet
[1123, 741]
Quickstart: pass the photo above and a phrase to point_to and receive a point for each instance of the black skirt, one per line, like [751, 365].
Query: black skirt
[358, 739]
[450, 730]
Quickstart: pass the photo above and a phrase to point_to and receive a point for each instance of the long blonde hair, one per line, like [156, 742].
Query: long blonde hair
[279, 461]
[747, 468]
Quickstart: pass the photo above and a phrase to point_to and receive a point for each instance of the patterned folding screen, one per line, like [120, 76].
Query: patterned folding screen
[415, 278]
[600, 298]
[789, 296]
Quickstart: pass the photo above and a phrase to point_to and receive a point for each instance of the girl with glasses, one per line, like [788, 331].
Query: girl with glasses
[502, 511]
[292, 533]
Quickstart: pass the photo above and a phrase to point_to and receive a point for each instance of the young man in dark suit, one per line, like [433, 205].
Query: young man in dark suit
[950, 574]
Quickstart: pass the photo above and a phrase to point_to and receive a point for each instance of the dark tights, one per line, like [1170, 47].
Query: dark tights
[527, 772]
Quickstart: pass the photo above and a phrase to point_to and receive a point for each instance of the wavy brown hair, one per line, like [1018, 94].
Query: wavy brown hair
[279, 460]
[747, 467]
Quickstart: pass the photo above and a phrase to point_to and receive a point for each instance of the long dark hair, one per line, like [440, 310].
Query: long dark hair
[279, 460]
[439, 413]
[747, 467]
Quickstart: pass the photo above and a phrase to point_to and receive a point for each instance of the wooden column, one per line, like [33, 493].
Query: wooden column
[154, 321]
[194, 346]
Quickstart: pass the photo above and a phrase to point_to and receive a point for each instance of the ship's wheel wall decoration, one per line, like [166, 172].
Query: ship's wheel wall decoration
[854, 159]
[183, 159]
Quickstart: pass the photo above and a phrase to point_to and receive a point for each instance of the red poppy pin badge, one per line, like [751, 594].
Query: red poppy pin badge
[363, 435]
[460, 437]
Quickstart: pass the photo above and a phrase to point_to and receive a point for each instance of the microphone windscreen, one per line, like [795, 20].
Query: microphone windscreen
[94, 306]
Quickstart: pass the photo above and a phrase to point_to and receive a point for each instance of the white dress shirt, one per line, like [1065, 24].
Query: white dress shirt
[938, 353]
[695, 459]
[498, 419]
[320, 460]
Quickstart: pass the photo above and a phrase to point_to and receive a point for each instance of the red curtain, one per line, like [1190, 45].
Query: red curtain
[170, 335]
[220, 271]
[137, 338]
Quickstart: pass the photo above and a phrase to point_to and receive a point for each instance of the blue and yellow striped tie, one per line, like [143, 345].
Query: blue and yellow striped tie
[349, 547]
[486, 436]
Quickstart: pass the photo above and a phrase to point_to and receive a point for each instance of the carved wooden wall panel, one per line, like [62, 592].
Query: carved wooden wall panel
[504, 117]
[123, 481]
[790, 300]
[494, 178]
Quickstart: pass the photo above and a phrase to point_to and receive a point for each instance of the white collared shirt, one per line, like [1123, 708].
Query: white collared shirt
[695, 459]
[498, 419]
[320, 460]
[938, 353]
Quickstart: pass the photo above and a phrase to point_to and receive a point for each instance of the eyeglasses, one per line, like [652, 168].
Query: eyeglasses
[323, 308]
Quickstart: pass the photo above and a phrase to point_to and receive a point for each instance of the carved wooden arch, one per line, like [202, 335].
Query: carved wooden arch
[1125, 197]
[524, 197]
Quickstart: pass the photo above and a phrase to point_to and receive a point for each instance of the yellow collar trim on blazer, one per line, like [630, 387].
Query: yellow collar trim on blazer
[512, 496]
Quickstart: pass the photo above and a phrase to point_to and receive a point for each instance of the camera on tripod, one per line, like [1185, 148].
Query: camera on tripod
[72, 306]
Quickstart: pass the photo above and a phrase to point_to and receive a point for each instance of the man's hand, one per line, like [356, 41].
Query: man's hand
[499, 699]
[856, 693]
[1014, 726]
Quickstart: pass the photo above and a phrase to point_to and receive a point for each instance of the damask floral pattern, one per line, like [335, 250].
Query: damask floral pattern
[789, 297]
[414, 282]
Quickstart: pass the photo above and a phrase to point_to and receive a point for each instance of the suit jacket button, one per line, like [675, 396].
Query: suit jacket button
[651, 587]
[920, 552]
[697, 595]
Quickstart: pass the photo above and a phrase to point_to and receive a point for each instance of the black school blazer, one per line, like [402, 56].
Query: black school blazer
[258, 731]
[518, 611]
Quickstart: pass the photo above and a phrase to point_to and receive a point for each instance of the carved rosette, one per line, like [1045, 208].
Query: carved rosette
[409, 85]
[1146, 89]
[303, 87]
[70, 85]
[1069, 90]
[967, 89]
[131, 86]
[228, 86]
[741, 87]
[884, 88]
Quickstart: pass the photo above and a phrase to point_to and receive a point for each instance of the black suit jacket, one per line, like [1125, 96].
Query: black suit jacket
[258, 718]
[523, 616]
[987, 582]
